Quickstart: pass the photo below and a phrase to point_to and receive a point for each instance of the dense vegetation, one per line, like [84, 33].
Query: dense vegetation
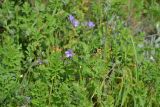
[79, 53]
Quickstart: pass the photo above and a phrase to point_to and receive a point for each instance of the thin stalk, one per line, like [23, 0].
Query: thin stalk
[136, 59]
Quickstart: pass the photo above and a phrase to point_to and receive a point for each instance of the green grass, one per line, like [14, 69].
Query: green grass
[115, 60]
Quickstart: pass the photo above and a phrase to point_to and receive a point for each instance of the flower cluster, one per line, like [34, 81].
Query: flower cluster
[76, 23]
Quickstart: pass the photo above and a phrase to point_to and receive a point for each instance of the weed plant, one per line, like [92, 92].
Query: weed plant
[79, 53]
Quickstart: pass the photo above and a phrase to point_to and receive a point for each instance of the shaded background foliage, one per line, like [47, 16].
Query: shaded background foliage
[115, 62]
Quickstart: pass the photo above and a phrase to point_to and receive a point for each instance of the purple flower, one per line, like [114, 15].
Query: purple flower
[69, 53]
[75, 23]
[71, 18]
[91, 24]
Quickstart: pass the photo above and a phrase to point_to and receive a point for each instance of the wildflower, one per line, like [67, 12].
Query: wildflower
[69, 53]
[71, 18]
[74, 22]
[91, 24]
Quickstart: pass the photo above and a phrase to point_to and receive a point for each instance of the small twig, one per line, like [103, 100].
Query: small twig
[157, 34]
[110, 72]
